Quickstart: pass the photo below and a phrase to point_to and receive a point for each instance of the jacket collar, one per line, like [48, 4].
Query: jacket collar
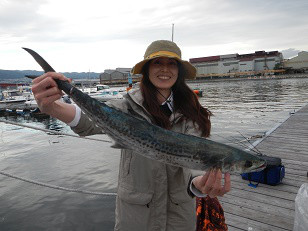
[136, 96]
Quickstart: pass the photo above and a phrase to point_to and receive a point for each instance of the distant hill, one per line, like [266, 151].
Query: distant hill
[20, 75]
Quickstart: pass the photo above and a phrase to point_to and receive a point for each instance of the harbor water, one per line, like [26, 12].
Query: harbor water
[242, 109]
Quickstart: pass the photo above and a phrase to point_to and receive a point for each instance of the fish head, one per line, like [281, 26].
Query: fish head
[250, 163]
[246, 166]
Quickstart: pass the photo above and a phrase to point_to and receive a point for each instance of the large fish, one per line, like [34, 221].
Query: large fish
[157, 143]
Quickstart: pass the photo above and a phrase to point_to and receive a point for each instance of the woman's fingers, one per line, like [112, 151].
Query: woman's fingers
[43, 96]
[43, 85]
[227, 185]
[205, 183]
[46, 91]
[48, 101]
[53, 75]
[211, 183]
[216, 185]
[220, 189]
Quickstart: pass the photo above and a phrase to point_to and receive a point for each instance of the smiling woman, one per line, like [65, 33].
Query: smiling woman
[163, 73]
[151, 194]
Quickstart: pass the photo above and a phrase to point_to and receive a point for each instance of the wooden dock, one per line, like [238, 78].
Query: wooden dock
[272, 207]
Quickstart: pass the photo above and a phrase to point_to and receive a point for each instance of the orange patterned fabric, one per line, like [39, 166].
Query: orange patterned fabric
[210, 215]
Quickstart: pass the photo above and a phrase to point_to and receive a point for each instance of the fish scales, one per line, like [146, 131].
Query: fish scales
[155, 142]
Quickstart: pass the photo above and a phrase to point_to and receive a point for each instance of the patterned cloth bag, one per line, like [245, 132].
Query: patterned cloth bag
[210, 215]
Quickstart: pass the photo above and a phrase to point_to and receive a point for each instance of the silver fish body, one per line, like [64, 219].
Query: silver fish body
[164, 145]
[155, 142]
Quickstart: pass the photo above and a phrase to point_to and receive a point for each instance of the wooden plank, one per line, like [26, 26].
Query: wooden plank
[271, 143]
[302, 169]
[272, 207]
[293, 126]
[294, 123]
[294, 141]
[278, 142]
[295, 164]
[290, 141]
[233, 228]
[291, 179]
[260, 206]
[242, 223]
[289, 134]
[261, 198]
[282, 153]
[285, 195]
[260, 215]
[297, 172]
[238, 181]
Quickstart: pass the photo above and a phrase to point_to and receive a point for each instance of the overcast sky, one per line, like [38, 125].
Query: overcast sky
[75, 35]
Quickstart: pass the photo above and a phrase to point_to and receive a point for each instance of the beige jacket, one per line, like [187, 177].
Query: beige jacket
[151, 195]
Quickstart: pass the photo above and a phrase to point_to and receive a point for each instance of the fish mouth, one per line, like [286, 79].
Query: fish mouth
[260, 168]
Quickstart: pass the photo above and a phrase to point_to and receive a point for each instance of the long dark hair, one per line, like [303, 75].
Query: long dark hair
[185, 101]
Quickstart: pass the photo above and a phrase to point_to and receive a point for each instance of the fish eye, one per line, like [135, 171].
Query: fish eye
[248, 163]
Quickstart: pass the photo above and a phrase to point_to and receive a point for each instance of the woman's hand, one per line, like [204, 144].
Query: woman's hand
[47, 95]
[211, 183]
[46, 91]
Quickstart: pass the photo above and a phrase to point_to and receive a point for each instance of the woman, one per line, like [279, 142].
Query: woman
[151, 195]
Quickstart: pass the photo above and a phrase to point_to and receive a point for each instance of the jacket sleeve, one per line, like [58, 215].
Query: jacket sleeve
[86, 126]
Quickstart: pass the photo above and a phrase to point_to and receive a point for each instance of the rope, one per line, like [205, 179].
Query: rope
[56, 187]
[51, 131]
[49, 185]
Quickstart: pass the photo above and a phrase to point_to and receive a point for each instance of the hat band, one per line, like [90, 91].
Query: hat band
[163, 53]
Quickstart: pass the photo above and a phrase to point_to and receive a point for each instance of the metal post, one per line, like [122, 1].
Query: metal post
[172, 31]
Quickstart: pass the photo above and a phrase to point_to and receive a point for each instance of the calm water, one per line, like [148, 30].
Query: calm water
[249, 107]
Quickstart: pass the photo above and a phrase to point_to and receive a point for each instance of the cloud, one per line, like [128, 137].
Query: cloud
[99, 35]
[22, 21]
[266, 25]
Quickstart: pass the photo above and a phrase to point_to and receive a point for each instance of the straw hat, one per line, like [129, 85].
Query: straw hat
[165, 48]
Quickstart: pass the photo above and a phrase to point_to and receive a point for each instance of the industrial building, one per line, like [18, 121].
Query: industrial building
[298, 64]
[117, 74]
[231, 65]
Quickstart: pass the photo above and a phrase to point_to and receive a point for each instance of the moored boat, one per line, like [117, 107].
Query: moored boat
[103, 93]
[11, 99]
[198, 92]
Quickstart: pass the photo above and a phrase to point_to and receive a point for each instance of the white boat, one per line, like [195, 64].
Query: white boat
[11, 99]
[103, 93]
[106, 95]
[26, 92]
[12, 96]
[31, 104]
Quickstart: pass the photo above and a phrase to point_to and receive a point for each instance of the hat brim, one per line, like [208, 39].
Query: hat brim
[190, 70]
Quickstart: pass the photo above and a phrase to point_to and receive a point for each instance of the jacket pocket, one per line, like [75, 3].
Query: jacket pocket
[133, 210]
[133, 197]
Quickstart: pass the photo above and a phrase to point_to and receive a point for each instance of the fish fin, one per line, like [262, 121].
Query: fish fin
[118, 146]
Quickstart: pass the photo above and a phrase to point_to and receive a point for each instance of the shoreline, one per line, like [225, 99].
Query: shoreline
[289, 76]
[198, 80]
